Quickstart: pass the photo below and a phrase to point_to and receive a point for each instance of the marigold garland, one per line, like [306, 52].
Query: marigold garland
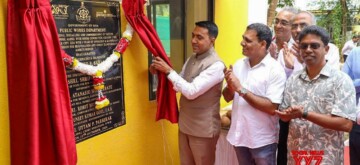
[97, 71]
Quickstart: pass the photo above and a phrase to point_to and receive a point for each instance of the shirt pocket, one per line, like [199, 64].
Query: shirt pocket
[257, 84]
[323, 104]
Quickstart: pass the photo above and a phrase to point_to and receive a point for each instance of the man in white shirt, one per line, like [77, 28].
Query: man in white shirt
[282, 29]
[291, 61]
[255, 84]
[348, 46]
[200, 85]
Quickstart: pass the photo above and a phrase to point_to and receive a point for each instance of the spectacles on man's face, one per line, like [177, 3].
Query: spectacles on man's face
[301, 25]
[282, 22]
[313, 46]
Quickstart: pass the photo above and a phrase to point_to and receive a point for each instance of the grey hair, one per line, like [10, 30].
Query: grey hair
[289, 9]
[313, 19]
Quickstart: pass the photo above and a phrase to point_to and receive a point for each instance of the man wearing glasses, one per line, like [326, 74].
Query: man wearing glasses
[289, 58]
[291, 61]
[282, 28]
[319, 104]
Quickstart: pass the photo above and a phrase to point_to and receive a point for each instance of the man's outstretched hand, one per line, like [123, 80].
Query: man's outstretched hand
[158, 64]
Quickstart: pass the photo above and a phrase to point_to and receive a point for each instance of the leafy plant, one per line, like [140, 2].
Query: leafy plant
[336, 16]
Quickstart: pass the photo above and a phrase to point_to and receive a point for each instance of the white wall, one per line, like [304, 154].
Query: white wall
[257, 12]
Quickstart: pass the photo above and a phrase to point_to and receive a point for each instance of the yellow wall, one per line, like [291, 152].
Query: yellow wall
[232, 18]
[141, 140]
[4, 113]
[195, 11]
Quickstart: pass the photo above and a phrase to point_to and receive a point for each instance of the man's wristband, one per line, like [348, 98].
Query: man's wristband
[304, 114]
[242, 92]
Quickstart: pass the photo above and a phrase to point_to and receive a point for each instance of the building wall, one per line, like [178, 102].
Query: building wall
[232, 19]
[4, 114]
[141, 140]
[257, 11]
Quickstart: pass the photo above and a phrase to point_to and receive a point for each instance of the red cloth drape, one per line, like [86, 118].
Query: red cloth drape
[166, 96]
[41, 125]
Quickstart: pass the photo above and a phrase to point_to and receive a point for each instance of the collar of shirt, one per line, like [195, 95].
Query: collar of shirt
[325, 71]
[265, 61]
[289, 43]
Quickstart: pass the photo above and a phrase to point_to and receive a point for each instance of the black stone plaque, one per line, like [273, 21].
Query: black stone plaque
[89, 31]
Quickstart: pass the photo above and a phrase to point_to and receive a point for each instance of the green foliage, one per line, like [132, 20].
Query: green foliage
[330, 19]
[283, 3]
[329, 15]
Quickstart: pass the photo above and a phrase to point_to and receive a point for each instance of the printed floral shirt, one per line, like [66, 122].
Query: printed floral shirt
[332, 93]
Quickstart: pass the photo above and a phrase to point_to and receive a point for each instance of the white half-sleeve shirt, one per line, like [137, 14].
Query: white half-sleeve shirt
[251, 127]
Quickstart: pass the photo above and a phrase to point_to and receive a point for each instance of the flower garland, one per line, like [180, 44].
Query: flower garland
[98, 71]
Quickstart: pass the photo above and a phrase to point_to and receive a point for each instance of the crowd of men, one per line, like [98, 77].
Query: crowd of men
[292, 80]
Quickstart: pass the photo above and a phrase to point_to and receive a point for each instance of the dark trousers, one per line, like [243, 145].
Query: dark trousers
[344, 56]
[355, 145]
[282, 145]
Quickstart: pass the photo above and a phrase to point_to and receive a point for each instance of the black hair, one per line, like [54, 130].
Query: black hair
[316, 30]
[210, 26]
[263, 32]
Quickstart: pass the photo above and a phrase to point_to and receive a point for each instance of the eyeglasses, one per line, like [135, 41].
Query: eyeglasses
[282, 22]
[301, 25]
[312, 46]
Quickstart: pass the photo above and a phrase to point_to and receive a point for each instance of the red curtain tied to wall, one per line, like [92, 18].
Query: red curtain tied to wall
[41, 126]
[166, 96]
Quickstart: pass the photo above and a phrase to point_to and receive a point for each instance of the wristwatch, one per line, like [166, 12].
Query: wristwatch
[243, 91]
[304, 114]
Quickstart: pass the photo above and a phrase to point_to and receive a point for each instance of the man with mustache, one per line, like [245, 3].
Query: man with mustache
[255, 85]
[289, 56]
[319, 103]
[200, 85]
[291, 61]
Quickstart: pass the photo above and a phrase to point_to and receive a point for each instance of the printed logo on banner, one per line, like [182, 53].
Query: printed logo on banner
[60, 11]
[83, 14]
[309, 157]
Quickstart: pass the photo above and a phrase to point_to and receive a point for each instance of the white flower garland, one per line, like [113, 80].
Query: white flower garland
[108, 62]
[97, 71]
